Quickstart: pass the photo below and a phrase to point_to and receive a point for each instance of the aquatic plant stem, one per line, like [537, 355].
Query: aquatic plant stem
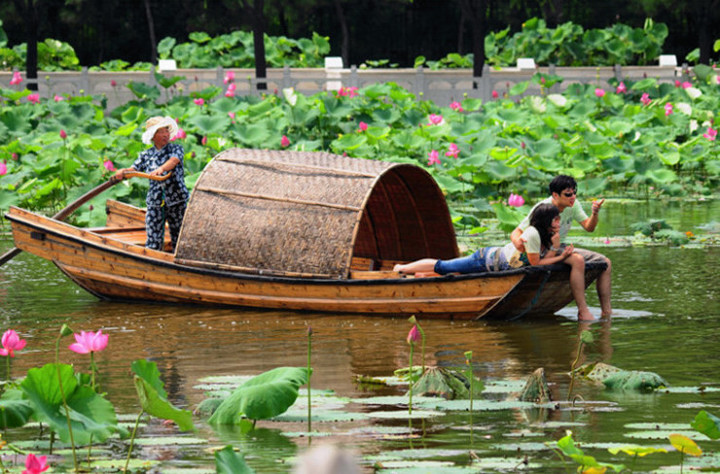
[572, 367]
[468, 362]
[309, 372]
[64, 399]
[410, 379]
[132, 440]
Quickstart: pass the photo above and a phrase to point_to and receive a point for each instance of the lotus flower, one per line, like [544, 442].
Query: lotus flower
[231, 115]
[16, 78]
[87, 342]
[109, 165]
[363, 126]
[3, 168]
[456, 106]
[34, 98]
[63, 134]
[495, 94]
[11, 342]
[180, 135]
[203, 141]
[453, 150]
[710, 134]
[35, 464]
[58, 98]
[284, 141]
[113, 83]
[515, 200]
[433, 158]
[199, 101]
[414, 335]
[599, 92]
[229, 77]
[668, 109]
[229, 93]
[435, 119]
[621, 89]
[645, 99]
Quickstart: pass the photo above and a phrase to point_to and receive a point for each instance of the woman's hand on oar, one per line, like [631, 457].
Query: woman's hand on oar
[130, 173]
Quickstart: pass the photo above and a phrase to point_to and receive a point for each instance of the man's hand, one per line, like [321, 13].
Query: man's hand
[596, 205]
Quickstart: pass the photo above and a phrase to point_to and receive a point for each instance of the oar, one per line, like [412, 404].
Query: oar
[72, 207]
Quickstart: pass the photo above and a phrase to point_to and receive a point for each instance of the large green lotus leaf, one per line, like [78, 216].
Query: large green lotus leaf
[335, 107]
[92, 416]
[14, 411]
[142, 90]
[707, 424]
[547, 147]
[348, 142]
[253, 135]
[407, 139]
[615, 378]
[16, 119]
[209, 125]
[264, 396]
[228, 462]
[386, 115]
[261, 108]
[661, 176]
[153, 397]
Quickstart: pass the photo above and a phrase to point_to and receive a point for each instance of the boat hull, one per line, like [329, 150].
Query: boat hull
[116, 270]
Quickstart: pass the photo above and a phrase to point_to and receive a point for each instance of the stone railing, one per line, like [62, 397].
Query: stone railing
[442, 86]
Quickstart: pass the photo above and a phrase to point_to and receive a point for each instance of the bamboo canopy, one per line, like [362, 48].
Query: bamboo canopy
[309, 214]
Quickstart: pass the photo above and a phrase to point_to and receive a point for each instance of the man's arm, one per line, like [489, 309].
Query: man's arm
[590, 223]
[516, 239]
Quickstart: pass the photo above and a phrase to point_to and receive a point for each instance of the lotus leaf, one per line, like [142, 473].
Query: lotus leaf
[618, 379]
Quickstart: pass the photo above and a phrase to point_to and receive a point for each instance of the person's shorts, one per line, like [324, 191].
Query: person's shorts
[476, 263]
[588, 255]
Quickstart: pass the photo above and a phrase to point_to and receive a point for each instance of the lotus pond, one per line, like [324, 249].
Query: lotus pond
[666, 322]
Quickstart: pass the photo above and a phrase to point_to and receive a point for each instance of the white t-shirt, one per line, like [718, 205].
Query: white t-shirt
[514, 257]
[567, 216]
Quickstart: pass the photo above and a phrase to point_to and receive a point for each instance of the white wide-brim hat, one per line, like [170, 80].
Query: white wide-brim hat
[154, 124]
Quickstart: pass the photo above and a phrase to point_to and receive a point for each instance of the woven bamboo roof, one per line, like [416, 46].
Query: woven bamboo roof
[309, 213]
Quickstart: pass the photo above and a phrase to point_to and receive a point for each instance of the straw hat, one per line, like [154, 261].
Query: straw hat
[153, 124]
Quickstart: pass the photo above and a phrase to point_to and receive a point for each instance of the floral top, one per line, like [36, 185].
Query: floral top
[171, 191]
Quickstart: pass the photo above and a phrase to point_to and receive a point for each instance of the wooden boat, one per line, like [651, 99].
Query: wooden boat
[295, 230]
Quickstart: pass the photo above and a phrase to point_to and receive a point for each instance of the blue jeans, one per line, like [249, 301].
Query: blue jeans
[483, 260]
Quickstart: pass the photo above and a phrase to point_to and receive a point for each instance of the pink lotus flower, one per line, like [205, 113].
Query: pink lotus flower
[453, 150]
[621, 89]
[495, 94]
[203, 141]
[109, 165]
[58, 98]
[515, 200]
[3, 168]
[113, 83]
[677, 83]
[347, 92]
[11, 342]
[199, 101]
[456, 106]
[284, 141]
[414, 335]
[87, 342]
[16, 78]
[363, 126]
[599, 92]
[15, 156]
[231, 115]
[435, 119]
[710, 134]
[35, 464]
[63, 134]
[686, 84]
[34, 98]
[645, 99]
[180, 135]
[229, 77]
[229, 93]
[433, 158]
[668, 109]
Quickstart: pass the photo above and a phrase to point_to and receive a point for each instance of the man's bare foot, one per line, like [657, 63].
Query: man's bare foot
[398, 267]
[605, 314]
[585, 316]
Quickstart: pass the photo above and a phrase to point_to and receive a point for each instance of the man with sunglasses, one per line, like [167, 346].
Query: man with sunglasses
[563, 194]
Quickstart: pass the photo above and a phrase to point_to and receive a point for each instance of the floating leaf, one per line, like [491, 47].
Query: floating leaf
[153, 397]
[264, 396]
[707, 424]
[684, 444]
[228, 462]
[636, 450]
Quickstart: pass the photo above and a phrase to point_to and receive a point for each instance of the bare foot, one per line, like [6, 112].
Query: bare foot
[585, 316]
[398, 267]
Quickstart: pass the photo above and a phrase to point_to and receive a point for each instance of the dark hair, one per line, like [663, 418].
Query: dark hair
[562, 182]
[541, 218]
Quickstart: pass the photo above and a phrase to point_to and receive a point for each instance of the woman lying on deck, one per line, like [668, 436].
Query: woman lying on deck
[542, 242]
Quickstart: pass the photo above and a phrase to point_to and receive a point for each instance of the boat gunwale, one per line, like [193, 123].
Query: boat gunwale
[554, 268]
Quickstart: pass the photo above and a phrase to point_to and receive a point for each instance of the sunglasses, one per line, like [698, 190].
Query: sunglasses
[570, 194]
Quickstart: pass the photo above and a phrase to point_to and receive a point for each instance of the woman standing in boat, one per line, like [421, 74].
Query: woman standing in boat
[165, 199]
[541, 240]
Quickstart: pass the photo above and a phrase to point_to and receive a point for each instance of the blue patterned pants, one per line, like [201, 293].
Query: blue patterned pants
[155, 224]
